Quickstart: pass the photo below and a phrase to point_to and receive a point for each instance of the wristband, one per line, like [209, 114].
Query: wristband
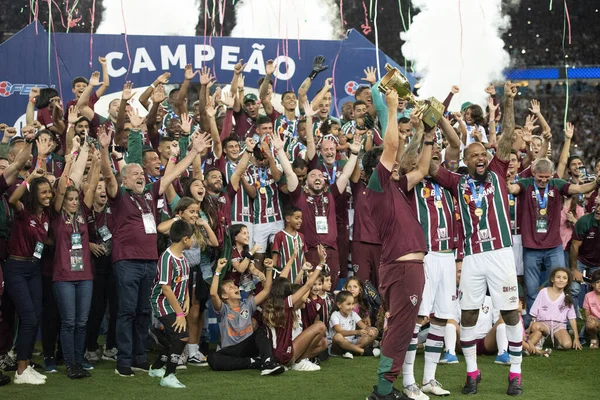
[26, 185]
[75, 153]
[250, 152]
[270, 268]
[429, 143]
[354, 152]
[217, 273]
[153, 86]
[319, 268]
[119, 159]
[180, 314]
[173, 159]
[32, 100]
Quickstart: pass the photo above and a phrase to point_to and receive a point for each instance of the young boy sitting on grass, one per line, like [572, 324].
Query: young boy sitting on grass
[170, 302]
[350, 334]
[242, 345]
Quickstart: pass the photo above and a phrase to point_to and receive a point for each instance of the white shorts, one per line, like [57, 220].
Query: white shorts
[265, 233]
[250, 227]
[518, 252]
[440, 285]
[493, 270]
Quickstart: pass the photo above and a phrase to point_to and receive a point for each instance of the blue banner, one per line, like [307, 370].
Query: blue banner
[141, 59]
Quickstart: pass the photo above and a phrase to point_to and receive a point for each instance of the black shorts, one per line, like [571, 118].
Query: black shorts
[168, 321]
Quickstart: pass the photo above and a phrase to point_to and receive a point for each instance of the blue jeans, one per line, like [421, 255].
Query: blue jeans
[134, 284]
[74, 299]
[538, 265]
[576, 286]
[23, 283]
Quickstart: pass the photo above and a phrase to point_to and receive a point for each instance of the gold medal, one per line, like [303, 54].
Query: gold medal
[478, 212]
[263, 190]
[438, 203]
[542, 211]
[511, 202]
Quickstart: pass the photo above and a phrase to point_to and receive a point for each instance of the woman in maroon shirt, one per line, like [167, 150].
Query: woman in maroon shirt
[72, 275]
[22, 270]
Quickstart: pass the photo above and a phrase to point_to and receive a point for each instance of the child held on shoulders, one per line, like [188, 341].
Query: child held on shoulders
[591, 306]
[171, 302]
[349, 332]
[552, 308]
[243, 346]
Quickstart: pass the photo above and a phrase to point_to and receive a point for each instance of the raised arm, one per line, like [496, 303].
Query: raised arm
[199, 143]
[109, 177]
[264, 294]
[63, 183]
[453, 149]
[240, 169]
[321, 95]
[214, 286]
[217, 148]
[30, 111]
[105, 77]
[311, 146]
[238, 69]
[15, 198]
[584, 188]
[290, 176]
[126, 95]
[93, 179]
[76, 175]
[264, 95]
[161, 80]
[342, 180]
[12, 171]
[180, 106]
[391, 140]
[492, 121]
[508, 124]
[417, 175]
[564, 152]
[318, 67]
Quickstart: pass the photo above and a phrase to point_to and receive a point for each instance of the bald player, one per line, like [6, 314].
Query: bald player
[403, 248]
[489, 262]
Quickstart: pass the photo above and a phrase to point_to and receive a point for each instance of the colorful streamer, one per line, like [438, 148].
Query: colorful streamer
[566, 21]
[126, 40]
[377, 42]
[92, 32]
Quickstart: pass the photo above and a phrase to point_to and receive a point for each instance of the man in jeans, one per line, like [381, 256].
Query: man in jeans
[135, 254]
[540, 198]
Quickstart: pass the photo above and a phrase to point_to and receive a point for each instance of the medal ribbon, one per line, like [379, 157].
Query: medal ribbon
[477, 199]
[543, 203]
[331, 177]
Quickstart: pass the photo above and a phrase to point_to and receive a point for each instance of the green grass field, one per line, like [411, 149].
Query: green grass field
[565, 375]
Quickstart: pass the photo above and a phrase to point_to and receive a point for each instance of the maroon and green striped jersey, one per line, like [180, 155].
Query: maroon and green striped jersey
[514, 211]
[174, 272]
[435, 211]
[266, 206]
[241, 206]
[283, 244]
[490, 230]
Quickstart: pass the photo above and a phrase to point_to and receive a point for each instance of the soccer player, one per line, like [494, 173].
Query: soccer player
[489, 261]
[403, 247]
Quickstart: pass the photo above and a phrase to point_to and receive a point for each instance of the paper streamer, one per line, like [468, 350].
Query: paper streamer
[377, 42]
[550, 5]
[462, 61]
[50, 24]
[126, 41]
[568, 21]
[92, 33]
[70, 15]
[342, 13]
[366, 28]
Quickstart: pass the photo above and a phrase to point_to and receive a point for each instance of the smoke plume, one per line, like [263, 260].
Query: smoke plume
[150, 17]
[291, 19]
[457, 42]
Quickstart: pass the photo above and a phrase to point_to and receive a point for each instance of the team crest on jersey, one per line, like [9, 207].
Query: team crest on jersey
[46, 226]
[244, 314]
[32, 223]
[108, 210]
[148, 196]
[425, 192]
[222, 200]
[485, 309]
[310, 199]
[414, 299]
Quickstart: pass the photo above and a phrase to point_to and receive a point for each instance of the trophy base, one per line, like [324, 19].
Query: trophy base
[432, 111]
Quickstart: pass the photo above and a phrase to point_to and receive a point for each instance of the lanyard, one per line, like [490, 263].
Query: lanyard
[479, 197]
[231, 167]
[72, 220]
[263, 176]
[95, 221]
[322, 197]
[140, 207]
[437, 191]
[292, 124]
[543, 203]
[203, 164]
[512, 196]
[152, 178]
[331, 177]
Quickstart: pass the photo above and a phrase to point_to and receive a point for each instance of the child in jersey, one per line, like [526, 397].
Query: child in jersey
[278, 317]
[552, 308]
[170, 302]
[289, 245]
[349, 332]
[243, 346]
[591, 306]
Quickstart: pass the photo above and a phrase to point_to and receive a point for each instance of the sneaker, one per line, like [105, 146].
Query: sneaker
[394, 395]
[371, 352]
[171, 381]
[91, 357]
[83, 371]
[348, 355]
[471, 384]
[110, 354]
[144, 367]
[315, 360]
[503, 359]
[540, 344]
[514, 386]
[87, 366]
[305, 366]
[197, 360]
[73, 372]
[50, 365]
[28, 377]
[7, 364]
[182, 363]
[124, 371]
[434, 387]
[448, 358]
[270, 367]
[37, 374]
[157, 373]
[413, 392]
[4, 379]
